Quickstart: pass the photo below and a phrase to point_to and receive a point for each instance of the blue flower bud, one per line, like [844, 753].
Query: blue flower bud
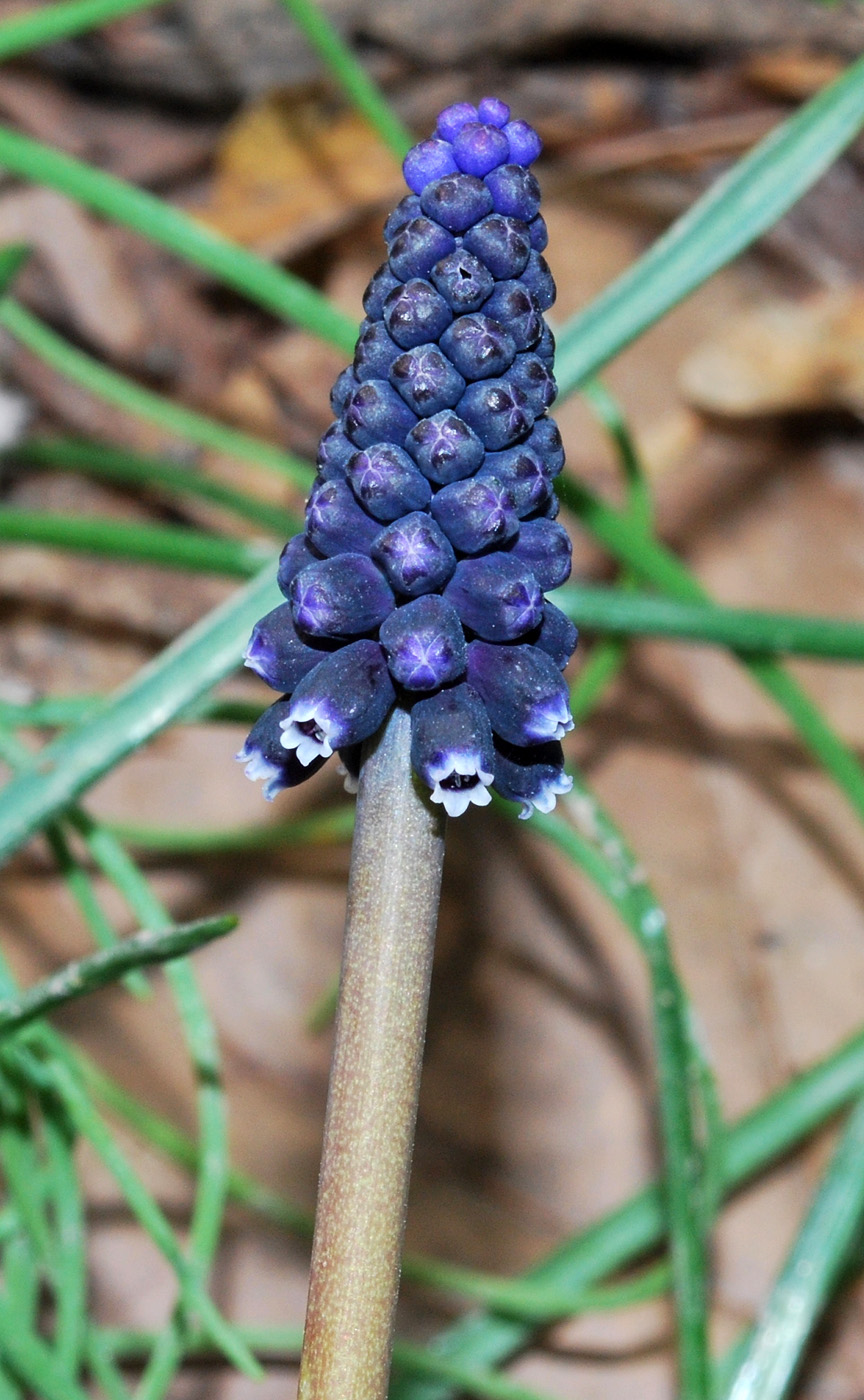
[496, 596]
[480, 148]
[501, 243]
[335, 524]
[533, 776]
[294, 557]
[514, 191]
[374, 352]
[386, 482]
[545, 440]
[539, 280]
[265, 758]
[426, 380]
[513, 305]
[415, 555]
[538, 233]
[524, 143]
[523, 690]
[493, 111]
[545, 347]
[343, 389]
[451, 748]
[334, 451]
[452, 120]
[382, 284]
[425, 644]
[276, 653]
[342, 701]
[421, 244]
[406, 210]
[445, 448]
[475, 514]
[340, 597]
[535, 380]
[522, 472]
[428, 161]
[545, 548]
[414, 313]
[479, 347]
[497, 411]
[376, 413]
[457, 201]
[556, 635]
[463, 281]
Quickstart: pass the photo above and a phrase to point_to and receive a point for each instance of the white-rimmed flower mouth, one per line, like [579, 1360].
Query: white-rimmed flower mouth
[551, 721]
[459, 784]
[261, 770]
[544, 801]
[307, 732]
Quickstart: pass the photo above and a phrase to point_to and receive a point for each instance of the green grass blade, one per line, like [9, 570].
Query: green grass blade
[33, 1362]
[330, 827]
[809, 1275]
[737, 210]
[271, 287]
[48, 23]
[154, 697]
[124, 393]
[350, 75]
[167, 546]
[70, 1283]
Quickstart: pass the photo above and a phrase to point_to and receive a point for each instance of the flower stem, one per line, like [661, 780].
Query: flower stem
[368, 1136]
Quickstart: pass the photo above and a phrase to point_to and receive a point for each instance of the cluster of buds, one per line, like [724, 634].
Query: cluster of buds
[430, 537]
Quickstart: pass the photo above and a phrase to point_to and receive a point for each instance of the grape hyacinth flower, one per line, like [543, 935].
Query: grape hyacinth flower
[430, 540]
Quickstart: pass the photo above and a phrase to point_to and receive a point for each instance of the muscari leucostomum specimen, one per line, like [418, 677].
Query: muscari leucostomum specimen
[416, 622]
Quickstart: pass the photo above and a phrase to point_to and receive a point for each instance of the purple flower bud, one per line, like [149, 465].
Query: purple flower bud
[342, 390]
[265, 758]
[545, 347]
[545, 440]
[428, 161]
[415, 555]
[276, 653]
[375, 413]
[386, 482]
[452, 120]
[340, 597]
[335, 524]
[479, 347]
[426, 380]
[463, 281]
[415, 313]
[501, 243]
[475, 514]
[493, 111]
[496, 596]
[421, 244]
[524, 692]
[538, 278]
[445, 448]
[425, 644]
[513, 305]
[480, 148]
[533, 776]
[525, 145]
[374, 352]
[457, 201]
[522, 472]
[497, 411]
[382, 284]
[451, 748]
[545, 548]
[406, 210]
[334, 451]
[538, 233]
[514, 191]
[551, 509]
[556, 635]
[344, 700]
[535, 380]
[294, 557]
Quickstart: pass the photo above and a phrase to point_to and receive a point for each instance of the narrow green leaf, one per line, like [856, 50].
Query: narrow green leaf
[48, 23]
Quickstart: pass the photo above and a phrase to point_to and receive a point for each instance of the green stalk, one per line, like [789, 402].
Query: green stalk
[350, 75]
[124, 393]
[167, 546]
[271, 287]
[86, 975]
[49, 23]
